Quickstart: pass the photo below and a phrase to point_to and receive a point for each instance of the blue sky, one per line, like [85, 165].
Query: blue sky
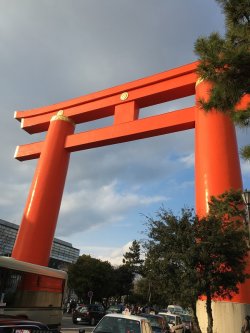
[54, 50]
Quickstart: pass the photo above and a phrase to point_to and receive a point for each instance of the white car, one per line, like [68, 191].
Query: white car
[123, 323]
[174, 321]
[175, 309]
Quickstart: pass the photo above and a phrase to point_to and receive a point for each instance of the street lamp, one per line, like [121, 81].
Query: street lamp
[246, 199]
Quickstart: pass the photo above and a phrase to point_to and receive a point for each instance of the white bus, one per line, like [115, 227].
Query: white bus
[31, 291]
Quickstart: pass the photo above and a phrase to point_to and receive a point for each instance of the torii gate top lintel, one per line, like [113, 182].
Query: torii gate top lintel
[179, 72]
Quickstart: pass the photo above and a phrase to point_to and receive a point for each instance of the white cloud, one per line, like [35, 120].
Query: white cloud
[245, 168]
[187, 160]
[111, 254]
[91, 207]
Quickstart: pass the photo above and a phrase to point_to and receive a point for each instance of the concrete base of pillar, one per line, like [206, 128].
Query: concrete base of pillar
[228, 316]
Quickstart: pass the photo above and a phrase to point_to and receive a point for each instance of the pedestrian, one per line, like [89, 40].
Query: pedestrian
[126, 311]
[246, 325]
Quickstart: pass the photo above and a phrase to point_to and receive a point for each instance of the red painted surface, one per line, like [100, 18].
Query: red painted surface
[36, 232]
[159, 88]
[121, 131]
[136, 85]
[34, 282]
[217, 165]
[126, 112]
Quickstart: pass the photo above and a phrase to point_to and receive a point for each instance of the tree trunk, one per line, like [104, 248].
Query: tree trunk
[195, 322]
[209, 312]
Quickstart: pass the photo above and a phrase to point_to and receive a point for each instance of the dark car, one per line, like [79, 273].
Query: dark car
[88, 314]
[158, 323]
[12, 324]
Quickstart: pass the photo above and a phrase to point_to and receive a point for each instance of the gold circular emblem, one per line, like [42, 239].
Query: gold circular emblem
[124, 96]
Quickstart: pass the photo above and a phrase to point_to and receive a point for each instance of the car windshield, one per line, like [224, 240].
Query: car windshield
[174, 308]
[171, 319]
[117, 325]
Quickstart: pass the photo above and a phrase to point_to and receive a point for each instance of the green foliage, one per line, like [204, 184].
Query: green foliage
[245, 152]
[225, 61]
[145, 292]
[170, 259]
[123, 281]
[222, 249]
[132, 258]
[104, 280]
[189, 256]
[90, 274]
[222, 244]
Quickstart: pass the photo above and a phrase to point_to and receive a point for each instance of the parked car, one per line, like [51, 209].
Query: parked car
[158, 323]
[177, 309]
[118, 308]
[88, 314]
[187, 321]
[116, 323]
[174, 321]
[10, 324]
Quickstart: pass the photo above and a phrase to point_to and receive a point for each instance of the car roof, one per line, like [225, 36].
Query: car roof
[125, 316]
[169, 314]
[151, 315]
[174, 306]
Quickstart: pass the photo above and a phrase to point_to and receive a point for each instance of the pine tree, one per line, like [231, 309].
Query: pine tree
[222, 249]
[171, 259]
[188, 256]
[225, 61]
[132, 258]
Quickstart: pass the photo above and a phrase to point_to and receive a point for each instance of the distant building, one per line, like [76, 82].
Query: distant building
[62, 253]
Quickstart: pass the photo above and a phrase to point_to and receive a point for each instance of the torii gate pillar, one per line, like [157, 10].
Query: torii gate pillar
[43, 203]
[217, 169]
[217, 165]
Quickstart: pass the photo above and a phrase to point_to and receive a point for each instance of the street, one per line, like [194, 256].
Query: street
[69, 327]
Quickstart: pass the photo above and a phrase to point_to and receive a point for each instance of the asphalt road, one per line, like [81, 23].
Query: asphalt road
[69, 327]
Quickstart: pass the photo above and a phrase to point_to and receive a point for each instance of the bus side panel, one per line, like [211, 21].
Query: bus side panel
[51, 317]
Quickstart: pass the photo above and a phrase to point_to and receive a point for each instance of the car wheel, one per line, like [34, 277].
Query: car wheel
[92, 321]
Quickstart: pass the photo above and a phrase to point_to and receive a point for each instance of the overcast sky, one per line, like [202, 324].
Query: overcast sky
[54, 50]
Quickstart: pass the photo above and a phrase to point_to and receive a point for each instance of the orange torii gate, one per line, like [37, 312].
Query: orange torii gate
[217, 166]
